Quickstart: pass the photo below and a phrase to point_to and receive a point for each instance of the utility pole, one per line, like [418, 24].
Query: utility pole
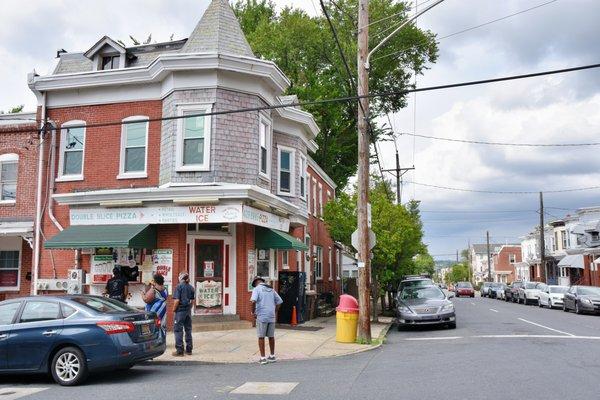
[542, 239]
[364, 262]
[489, 258]
[457, 256]
[469, 260]
[398, 173]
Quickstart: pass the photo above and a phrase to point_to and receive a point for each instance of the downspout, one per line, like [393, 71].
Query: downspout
[38, 211]
[51, 185]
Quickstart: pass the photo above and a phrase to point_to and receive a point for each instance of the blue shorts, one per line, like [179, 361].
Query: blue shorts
[265, 329]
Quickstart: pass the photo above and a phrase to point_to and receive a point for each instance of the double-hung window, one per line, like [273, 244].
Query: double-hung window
[319, 262]
[330, 263]
[264, 263]
[264, 156]
[314, 197]
[134, 148]
[8, 177]
[320, 205]
[72, 149]
[285, 163]
[193, 138]
[9, 269]
[285, 259]
[303, 176]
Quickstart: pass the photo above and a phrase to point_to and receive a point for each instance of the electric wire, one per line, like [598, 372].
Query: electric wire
[510, 192]
[326, 101]
[488, 143]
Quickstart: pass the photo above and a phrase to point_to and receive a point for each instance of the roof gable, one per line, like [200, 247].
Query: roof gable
[218, 31]
[101, 44]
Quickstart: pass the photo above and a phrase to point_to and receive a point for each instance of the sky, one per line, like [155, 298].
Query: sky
[553, 109]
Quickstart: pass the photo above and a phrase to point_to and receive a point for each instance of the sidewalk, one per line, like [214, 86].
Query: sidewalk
[314, 339]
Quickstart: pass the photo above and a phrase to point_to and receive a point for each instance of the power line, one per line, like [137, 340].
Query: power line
[476, 211]
[470, 29]
[502, 143]
[331, 100]
[524, 192]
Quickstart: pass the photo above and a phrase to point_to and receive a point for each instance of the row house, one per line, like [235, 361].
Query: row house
[572, 249]
[478, 254]
[152, 167]
[505, 262]
[18, 177]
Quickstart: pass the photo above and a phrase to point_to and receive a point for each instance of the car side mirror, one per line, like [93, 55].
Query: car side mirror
[451, 295]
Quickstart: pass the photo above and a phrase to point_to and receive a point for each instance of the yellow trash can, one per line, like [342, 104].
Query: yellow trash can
[346, 319]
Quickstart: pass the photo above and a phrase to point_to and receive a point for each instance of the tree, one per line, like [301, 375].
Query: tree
[304, 48]
[14, 110]
[399, 249]
[458, 273]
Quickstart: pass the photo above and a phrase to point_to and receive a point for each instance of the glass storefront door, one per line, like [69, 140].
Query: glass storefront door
[209, 276]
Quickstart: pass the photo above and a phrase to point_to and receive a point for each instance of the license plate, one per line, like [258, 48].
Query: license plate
[145, 329]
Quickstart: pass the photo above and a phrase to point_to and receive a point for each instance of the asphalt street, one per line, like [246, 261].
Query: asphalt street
[498, 351]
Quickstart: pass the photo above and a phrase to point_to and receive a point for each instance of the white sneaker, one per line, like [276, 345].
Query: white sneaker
[263, 360]
[271, 359]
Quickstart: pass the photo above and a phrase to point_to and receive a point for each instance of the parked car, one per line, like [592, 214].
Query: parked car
[71, 336]
[582, 299]
[495, 289]
[485, 288]
[514, 290]
[529, 293]
[464, 289]
[508, 292]
[552, 296]
[424, 305]
[414, 280]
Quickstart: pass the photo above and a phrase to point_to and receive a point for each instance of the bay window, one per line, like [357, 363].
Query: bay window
[193, 138]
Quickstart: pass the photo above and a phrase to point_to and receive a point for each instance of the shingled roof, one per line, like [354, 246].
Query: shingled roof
[219, 32]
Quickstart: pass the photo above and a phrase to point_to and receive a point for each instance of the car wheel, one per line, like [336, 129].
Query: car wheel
[69, 367]
[577, 309]
[540, 305]
[565, 309]
[549, 303]
[473, 295]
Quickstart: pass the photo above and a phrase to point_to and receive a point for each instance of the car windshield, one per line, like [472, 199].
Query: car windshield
[558, 289]
[464, 285]
[416, 282]
[589, 291]
[429, 292]
[102, 305]
[530, 285]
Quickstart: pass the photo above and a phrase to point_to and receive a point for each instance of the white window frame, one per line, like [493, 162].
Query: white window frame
[512, 258]
[14, 245]
[136, 174]
[292, 152]
[181, 111]
[298, 261]
[272, 262]
[61, 177]
[308, 260]
[330, 262]
[314, 197]
[318, 260]
[320, 198]
[269, 139]
[9, 158]
[338, 260]
[303, 177]
[308, 194]
[285, 259]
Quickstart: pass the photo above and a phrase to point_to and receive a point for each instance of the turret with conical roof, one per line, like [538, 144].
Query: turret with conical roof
[218, 31]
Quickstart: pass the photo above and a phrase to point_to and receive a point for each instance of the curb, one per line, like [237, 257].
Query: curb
[380, 339]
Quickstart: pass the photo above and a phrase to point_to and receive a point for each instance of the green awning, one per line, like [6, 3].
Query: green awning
[125, 236]
[273, 239]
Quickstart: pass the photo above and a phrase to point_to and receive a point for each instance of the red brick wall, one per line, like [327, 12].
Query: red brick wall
[24, 283]
[502, 260]
[244, 242]
[173, 237]
[319, 236]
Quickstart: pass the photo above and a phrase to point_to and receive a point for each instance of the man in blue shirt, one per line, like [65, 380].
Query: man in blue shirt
[265, 304]
[183, 297]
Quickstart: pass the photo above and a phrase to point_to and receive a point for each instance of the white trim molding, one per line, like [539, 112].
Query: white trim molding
[291, 172]
[198, 108]
[263, 120]
[133, 174]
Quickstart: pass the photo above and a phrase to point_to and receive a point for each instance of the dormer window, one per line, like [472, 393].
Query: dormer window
[110, 62]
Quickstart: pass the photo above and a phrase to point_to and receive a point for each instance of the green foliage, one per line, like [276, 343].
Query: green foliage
[14, 110]
[304, 48]
[459, 273]
[399, 249]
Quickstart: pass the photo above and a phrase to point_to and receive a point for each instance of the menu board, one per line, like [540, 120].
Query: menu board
[162, 263]
[251, 268]
[101, 268]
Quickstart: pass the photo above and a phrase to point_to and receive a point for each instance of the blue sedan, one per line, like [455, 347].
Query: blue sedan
[71, 336]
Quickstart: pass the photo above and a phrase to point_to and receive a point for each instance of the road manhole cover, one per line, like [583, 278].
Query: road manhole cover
[265, 388]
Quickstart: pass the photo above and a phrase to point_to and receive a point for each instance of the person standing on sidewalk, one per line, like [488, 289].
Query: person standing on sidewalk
[182, 309]
[156, 299]
[265, 304]
[117, 287]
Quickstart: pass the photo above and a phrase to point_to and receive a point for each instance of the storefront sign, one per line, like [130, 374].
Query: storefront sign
[162, 261]
[209, 269]
[251, 268]
[200, 214]
[209, 296]
[101, 268]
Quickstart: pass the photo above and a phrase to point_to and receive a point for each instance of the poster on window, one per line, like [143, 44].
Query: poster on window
[209, 269]
[209, 296]
[251, 268]
[162, 263]
[101, 268]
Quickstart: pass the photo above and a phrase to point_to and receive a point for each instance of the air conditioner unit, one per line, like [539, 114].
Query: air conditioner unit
[75, 281]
